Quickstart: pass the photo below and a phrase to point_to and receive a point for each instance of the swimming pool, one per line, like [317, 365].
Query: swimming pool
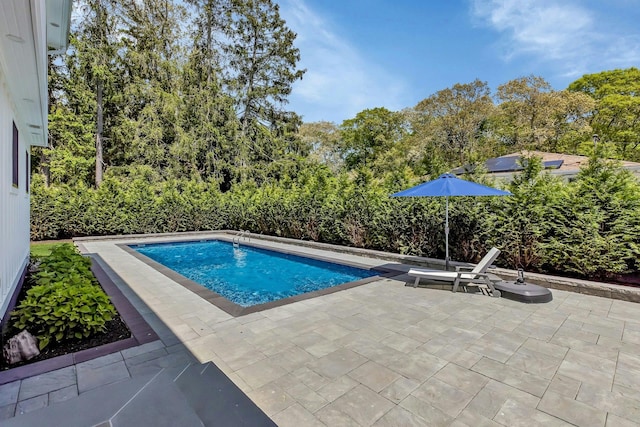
[249, 276]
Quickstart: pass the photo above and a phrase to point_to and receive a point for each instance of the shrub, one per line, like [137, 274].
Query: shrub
[596, 230]
[589, 227]
[66, 303]
[521, 227]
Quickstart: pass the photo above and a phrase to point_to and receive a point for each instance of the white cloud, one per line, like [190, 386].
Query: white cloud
[340, 81]
[566, 34]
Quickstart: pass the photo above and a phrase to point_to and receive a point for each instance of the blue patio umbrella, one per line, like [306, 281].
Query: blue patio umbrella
[448, 185]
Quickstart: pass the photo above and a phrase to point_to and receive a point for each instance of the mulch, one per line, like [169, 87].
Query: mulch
[116, 330]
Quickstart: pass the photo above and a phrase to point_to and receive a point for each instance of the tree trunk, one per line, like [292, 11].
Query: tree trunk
[209, 11]
[100, 122]
[244, 150]
[44, 167]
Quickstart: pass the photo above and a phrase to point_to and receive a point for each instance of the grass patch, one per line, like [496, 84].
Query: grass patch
[41, 249]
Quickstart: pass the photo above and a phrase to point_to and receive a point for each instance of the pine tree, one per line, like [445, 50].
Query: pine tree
[97, 44]
[260, 69]
[207, 120]
[150, 56]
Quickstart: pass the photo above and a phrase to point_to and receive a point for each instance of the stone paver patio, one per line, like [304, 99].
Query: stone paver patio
[386, 354]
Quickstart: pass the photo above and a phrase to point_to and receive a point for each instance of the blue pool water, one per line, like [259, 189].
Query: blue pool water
[246, 275]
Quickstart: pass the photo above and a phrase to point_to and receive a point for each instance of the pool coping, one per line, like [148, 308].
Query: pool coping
[237, 310]
[582, 286]
[141, 333]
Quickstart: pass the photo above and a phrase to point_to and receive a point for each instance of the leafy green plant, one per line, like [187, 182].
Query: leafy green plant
[66, 303]
[63, 261]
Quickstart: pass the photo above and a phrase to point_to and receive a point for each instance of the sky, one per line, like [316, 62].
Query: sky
[362, 54]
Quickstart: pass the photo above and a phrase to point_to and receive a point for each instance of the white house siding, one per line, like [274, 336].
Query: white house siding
[27, 28]
[14, 202]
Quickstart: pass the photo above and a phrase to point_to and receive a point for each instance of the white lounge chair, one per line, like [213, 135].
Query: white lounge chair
[472, 276]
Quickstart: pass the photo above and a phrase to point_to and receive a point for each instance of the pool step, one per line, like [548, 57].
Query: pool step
[217, 400]
[190, 395]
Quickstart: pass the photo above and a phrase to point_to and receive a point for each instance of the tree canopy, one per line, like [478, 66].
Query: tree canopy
[616, 115]
[199, 90]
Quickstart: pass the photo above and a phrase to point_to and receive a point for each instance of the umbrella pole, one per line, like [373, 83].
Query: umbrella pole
[446, 234]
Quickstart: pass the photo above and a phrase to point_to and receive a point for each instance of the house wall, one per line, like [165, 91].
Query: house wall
[27, 29]
[14, 202]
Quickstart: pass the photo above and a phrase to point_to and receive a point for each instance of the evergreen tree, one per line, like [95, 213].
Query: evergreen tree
[83, 97]
[151, 55]
[596, 230]
[260, 68]
[208, 121]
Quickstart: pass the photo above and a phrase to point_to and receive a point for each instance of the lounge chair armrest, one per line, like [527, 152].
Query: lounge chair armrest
[476, 276]
[463, 268]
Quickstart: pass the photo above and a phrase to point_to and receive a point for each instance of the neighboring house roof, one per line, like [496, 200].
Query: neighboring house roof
[555, 163]
[29, 29]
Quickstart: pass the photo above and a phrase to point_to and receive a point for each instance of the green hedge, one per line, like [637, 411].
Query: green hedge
[589, 227]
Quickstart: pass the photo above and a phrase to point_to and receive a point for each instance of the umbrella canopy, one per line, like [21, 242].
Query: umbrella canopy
[447, 185]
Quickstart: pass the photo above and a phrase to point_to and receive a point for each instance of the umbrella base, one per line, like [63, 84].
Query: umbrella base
[524, 292]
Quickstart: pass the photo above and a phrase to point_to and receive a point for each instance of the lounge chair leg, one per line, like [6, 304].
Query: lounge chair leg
[415, 284]
[494, 292]
[455, 285]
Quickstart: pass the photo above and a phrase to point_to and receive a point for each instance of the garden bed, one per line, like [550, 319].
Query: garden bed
[126, 329]
[116, 330]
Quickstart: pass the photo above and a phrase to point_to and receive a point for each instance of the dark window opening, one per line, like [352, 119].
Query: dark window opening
[26, 171]
[15, 155]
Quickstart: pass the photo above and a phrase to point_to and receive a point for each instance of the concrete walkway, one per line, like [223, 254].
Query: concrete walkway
[385, 354]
